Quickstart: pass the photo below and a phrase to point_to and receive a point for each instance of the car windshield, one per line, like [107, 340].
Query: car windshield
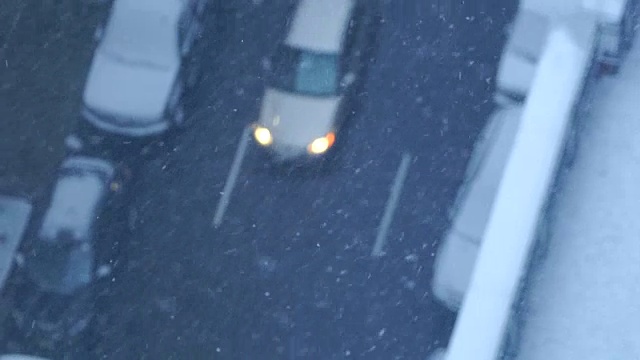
[137, 36]
[61, 267]
[305, 72]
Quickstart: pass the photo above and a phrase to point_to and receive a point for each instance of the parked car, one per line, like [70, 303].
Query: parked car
[470, 213]
[144, 64]
[15, 213]
[314, 75]
[617, 26]
[71, 251]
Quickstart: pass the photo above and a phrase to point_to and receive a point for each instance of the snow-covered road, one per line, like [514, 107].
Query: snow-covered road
[584, 301]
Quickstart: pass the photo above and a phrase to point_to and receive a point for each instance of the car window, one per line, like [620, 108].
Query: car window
[317, 74]
[305, 72]
[63, 266]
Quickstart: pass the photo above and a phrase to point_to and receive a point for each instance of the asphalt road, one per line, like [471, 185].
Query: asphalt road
[44, 55]
[289, 272]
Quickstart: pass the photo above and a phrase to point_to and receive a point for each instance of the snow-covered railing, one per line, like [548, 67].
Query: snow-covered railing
[485, 318]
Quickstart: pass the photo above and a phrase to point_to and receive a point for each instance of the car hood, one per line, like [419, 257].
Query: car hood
[297, 120]
[128, 89]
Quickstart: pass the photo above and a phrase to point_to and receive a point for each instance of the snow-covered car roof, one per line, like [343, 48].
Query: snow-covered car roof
[79, 190]
[320, 25]
[144, 32]
[137, 61]
[135, 96]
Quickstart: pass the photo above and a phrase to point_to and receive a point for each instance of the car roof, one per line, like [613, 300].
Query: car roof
[78, 191]
[319, 25]
[146, 30]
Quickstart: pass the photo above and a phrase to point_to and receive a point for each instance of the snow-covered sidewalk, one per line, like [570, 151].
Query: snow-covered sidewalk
[584, 301]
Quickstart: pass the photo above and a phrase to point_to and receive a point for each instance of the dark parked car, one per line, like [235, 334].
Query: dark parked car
[71, 251]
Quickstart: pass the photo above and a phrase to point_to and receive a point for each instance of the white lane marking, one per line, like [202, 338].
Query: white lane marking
[232, 178]
[392, 204]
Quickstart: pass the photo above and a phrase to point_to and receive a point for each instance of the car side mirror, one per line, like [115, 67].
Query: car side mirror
[347, 80]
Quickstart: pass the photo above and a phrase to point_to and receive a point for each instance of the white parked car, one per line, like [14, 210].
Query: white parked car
[313, 76]
[143, 66]
[74, 243]
[459, 247]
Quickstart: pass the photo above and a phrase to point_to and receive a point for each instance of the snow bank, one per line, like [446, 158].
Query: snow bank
[530, 170]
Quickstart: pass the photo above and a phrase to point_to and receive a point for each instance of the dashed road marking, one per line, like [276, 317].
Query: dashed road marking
[232, 178]
[392, 204]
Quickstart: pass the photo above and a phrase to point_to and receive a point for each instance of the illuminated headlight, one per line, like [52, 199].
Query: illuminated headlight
[320, 145]
[262, 136]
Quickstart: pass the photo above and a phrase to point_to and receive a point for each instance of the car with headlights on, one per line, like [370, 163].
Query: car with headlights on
[143, 66]
[314, 75]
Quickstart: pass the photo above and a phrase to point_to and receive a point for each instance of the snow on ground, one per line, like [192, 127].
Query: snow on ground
[584, 300]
